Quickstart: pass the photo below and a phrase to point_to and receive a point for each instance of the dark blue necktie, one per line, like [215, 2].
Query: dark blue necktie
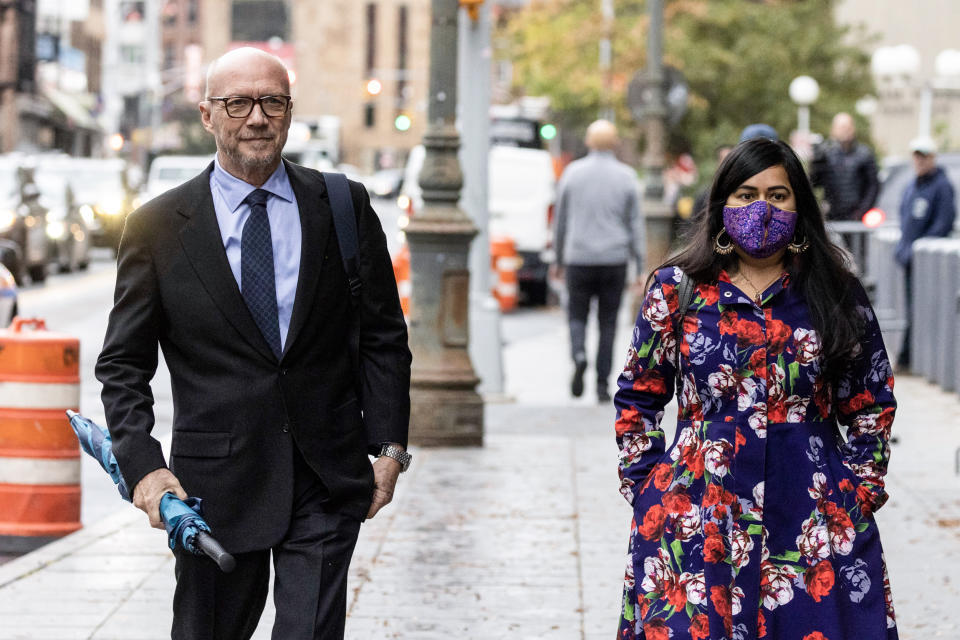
[256, 269]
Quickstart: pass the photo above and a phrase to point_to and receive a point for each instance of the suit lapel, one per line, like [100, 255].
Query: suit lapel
[315, 224]
[203, 245]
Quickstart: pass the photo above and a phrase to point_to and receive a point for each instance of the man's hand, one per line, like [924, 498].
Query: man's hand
[385, 473]
[151, 488]
[556, 271]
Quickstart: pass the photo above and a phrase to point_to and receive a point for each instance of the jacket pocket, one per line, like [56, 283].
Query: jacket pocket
[200, 444]
[344, 405]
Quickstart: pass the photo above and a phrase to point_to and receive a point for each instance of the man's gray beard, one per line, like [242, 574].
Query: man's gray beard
[248, 163]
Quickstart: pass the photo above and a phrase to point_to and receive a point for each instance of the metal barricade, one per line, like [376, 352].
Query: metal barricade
[954, 297]
[853, 236]
[919, 304]
[888, 295]
[942, 325]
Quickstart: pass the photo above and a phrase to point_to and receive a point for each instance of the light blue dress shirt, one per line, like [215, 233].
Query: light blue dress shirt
[229, 193]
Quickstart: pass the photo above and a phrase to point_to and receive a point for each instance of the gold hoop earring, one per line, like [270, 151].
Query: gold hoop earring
[722, 249]
[797, 248]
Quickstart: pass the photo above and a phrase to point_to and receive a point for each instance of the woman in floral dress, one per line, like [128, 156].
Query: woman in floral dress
[757, 522]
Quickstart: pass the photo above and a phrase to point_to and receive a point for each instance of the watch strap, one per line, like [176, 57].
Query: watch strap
[398, 454]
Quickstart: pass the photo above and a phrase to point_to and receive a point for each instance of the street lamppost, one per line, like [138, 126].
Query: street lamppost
[657, 214]
[446, 409]
[901, 84]
[606, 60]
[804, 91]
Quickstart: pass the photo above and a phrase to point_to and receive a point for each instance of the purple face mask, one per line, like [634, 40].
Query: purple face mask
[759, 228]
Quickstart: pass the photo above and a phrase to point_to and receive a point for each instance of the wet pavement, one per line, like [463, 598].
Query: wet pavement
[524, 538]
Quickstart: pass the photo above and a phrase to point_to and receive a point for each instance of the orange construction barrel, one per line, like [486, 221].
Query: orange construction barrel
[401, 272]
[39, 453]
[506, 263]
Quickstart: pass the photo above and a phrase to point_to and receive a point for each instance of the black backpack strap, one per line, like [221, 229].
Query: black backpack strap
[345, 224]
[684, 297]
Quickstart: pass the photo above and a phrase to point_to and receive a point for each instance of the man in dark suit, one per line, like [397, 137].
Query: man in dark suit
[237, 275]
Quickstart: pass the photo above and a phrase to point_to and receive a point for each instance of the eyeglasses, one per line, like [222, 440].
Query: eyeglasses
[242, 106]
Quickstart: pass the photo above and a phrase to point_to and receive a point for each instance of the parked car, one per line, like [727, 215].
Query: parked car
[24, 247]
[167, 172]
[8, 296]
[410, 198]
[68, 228]
[102, 185]
[385, 183]
[352, 172]
[522, 186]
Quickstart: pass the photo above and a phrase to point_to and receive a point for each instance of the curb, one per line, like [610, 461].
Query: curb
[49, 554]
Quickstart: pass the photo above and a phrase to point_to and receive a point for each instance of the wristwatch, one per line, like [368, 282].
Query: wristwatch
[398, 454]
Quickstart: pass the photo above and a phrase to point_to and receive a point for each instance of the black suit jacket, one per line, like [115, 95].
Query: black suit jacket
[238, 410]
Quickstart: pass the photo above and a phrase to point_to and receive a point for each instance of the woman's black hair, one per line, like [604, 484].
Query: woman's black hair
[820, 273]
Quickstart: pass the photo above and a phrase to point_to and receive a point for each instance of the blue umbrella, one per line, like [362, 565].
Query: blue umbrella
[183, 519]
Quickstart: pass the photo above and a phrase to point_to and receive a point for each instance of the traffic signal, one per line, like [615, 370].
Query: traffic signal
[374, 87]
[402, 122]
[548, 131]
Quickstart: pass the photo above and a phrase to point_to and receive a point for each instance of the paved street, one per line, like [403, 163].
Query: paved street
[524, 538]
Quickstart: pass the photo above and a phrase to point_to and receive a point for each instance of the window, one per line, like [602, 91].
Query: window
[402, 28]
[260, 20]
[171, 10]
[131, 11]
[371, 38]
[132, 54]
[369, 115]
[169, 56]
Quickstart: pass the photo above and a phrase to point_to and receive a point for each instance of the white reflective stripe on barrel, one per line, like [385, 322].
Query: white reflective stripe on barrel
[39, 471]
[36, 395]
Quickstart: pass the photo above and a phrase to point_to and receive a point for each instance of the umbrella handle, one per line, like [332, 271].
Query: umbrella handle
[218, 554]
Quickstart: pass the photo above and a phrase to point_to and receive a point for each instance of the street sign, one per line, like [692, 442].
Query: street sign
[675, 91]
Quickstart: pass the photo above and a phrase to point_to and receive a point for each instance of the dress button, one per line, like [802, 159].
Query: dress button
[285, 428]
[727, 294]
[283, 372]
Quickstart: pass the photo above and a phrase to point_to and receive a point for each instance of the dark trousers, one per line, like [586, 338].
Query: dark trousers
[584, 283]
[903, 358]
[310, 584]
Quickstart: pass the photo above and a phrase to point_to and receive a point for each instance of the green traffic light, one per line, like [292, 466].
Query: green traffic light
[548, 132]
[402, 122]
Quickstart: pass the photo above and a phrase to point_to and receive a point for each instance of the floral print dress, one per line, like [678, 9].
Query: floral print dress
[757, 521]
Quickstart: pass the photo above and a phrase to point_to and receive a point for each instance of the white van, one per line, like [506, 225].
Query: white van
[522, 195]
[521, 198]
[167, 172]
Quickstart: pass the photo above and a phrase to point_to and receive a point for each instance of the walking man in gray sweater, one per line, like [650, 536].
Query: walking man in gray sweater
[598, 230]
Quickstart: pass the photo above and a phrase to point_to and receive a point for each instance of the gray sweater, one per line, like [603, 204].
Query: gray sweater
[598, 220]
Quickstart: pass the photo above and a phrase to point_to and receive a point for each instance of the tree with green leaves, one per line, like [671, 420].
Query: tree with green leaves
[738, 57]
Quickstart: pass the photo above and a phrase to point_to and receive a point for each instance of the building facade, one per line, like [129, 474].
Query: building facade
[132, 84]
[929, 27]
[45, 97]
[363, 62]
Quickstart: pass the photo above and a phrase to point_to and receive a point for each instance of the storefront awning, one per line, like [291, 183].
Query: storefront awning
[70, 107]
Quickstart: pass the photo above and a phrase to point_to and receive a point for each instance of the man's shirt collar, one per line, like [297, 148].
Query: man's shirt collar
[235, 191]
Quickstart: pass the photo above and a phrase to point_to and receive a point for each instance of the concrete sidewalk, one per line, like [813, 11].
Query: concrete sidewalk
[524, 538]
